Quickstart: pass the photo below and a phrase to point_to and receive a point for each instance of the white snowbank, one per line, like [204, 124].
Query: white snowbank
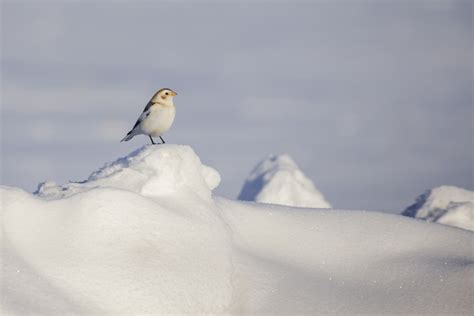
[141, 235]
[149, 172]
[278, 180]
[145, 235]
[447, 205]
[347, 262]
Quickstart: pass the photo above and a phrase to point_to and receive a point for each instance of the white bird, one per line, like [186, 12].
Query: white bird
[156, 118]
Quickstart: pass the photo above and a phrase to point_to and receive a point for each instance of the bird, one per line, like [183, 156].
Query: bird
[156, 118]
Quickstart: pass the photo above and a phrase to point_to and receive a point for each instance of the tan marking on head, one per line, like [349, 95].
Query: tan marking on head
[164, 94]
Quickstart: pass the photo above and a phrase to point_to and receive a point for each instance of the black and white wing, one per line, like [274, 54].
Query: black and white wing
[145, 113]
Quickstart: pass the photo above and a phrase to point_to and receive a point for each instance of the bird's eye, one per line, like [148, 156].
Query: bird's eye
[166, 93]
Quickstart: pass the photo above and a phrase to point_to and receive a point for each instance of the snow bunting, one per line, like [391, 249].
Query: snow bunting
[157, 116]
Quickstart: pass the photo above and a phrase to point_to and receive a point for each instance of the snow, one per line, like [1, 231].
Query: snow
[144, 234]
[278, 180]
[148, 172]
[447, 205]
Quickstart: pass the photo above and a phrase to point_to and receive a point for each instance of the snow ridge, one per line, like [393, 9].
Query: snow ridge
[278, 180]
[147, 171]
[145, 223]
[447, 205]
[145, 235]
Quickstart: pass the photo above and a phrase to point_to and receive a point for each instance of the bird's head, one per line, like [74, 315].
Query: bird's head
[164, 96]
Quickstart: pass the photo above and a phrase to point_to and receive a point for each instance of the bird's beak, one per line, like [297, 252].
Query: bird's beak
[173, 93]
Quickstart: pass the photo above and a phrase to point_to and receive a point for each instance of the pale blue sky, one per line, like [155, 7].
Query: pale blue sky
[372, 99]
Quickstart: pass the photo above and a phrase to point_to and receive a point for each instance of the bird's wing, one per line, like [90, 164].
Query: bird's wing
[145, 113]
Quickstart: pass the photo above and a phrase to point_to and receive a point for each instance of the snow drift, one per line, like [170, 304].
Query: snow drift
[278, 180]
[145, 235]
[447, 205]
[137, 237]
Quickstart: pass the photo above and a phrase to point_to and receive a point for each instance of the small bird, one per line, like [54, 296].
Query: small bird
[156, 118]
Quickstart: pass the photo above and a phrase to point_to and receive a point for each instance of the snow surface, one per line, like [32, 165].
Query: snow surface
[447, 205]
[145, 235]
[278, 180]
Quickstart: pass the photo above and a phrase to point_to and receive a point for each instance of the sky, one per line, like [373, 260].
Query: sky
[372, 99]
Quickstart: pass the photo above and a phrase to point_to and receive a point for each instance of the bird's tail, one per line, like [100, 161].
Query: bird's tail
[128, 137]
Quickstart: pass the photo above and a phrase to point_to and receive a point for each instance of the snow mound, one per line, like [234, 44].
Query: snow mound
[136, 237]
[313, 261]
[144, 235]
[150, 170]
[278, 180]
[447, 205]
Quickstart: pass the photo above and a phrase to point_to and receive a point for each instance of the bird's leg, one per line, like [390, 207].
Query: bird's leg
[152, 140]
[162, 140]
